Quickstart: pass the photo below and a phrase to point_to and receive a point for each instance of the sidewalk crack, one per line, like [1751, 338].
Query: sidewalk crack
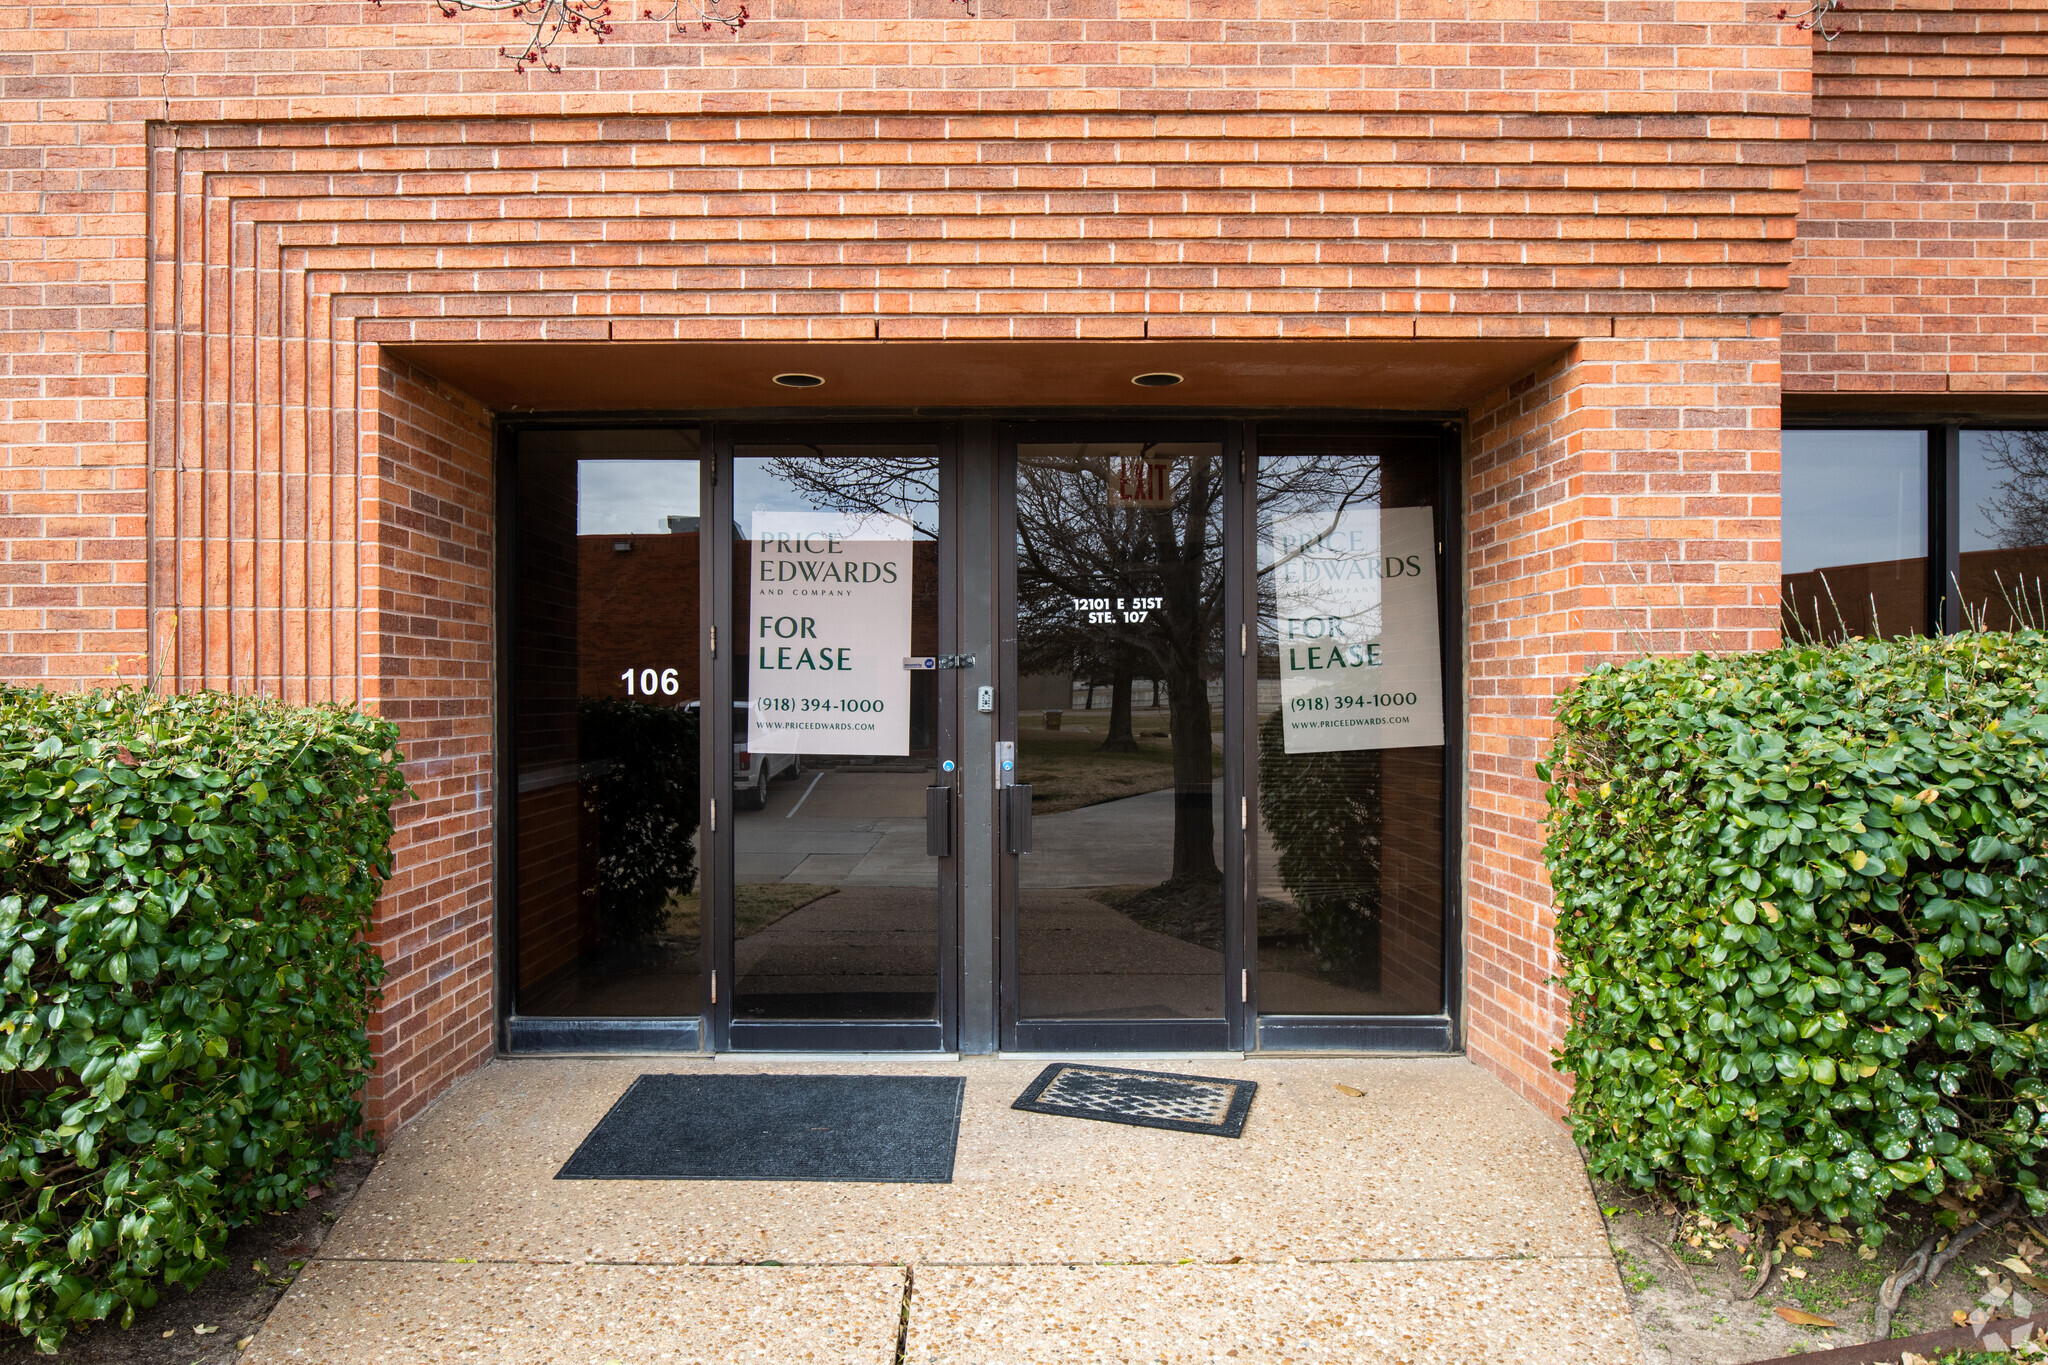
[903, 1317]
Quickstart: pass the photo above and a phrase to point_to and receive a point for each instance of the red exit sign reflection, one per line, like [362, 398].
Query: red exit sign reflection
[1142, 481]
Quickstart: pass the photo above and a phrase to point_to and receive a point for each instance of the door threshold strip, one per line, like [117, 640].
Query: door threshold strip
[1086, 1055]
[835, 1056]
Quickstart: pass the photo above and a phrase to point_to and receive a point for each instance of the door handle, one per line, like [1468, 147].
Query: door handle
[1017, 818]
[938, 821]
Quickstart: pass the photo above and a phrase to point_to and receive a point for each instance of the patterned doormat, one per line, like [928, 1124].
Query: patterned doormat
[1144, 1099]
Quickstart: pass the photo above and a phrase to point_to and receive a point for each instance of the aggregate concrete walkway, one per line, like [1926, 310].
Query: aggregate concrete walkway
[1435, 1219]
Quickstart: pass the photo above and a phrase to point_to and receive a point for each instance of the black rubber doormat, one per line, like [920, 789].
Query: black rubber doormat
[894, 1129]
[1144, 1099]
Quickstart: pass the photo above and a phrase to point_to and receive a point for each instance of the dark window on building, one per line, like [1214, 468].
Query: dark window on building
[2002, 515]
[605, 716]
[1905, 531]
[1855, 533]
[1349, 827]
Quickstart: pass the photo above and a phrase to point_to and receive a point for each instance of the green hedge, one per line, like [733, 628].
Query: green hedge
[185, 885]
[1802, 911]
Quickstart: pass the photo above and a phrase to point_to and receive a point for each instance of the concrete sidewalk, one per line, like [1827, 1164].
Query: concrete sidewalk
[1435, 1219]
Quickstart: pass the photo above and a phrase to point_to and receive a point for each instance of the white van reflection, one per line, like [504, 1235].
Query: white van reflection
[752, 772]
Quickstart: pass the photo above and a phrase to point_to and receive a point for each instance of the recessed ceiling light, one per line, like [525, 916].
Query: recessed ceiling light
[798, 381]
[1158, 379]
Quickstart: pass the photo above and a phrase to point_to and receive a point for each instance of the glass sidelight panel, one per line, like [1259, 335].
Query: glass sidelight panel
[835, 735]
[1120, 602]
[1350, 811]
[2003, 525]
[604, 658]
[1855, 534]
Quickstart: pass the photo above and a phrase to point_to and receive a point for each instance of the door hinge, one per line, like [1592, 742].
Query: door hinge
[1244, 638]
[714, 985]
[1243, 466]
[1244, 987]
[714, 815]
[714, 642]
[1244, 812]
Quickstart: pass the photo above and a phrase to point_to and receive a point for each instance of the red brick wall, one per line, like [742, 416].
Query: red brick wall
[1622, 501]
[427, 518]
[1134, 168]
[1922, 249]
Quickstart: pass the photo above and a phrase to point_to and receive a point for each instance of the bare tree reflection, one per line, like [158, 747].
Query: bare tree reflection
[860, 479]
[2017, 509]
[1325, 488]
[1323, 812]
[2004, 556]
[1077, 539]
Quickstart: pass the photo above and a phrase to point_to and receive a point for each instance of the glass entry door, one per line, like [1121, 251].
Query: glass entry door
[1120, 734]
[836, 902]
[1122, 926]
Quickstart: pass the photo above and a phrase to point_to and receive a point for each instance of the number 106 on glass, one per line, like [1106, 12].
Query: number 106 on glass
[646, 682]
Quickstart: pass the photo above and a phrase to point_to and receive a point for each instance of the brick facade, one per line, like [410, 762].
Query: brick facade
[218, 227]
[1923, 245]
[427, 664]
[1622, 501]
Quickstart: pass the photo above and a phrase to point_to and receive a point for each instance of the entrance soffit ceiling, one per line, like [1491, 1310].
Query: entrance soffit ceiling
[1431, 375]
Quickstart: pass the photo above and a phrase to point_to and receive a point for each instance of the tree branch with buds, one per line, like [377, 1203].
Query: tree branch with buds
[548, 20]
[1815, 18]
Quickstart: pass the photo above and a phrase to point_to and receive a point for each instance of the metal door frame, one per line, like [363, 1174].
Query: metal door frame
[725, 1033]
[1225, 1034]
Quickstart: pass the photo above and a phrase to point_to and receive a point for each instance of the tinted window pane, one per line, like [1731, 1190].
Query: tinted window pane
[605, 723]
[1855, 534]
[2004, 522]
[1119, 732]
[1350, 835]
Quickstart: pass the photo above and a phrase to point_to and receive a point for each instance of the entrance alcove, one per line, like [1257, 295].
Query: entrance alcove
[562, 983]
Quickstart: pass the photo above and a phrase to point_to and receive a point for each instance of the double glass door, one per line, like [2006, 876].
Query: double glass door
[978, 735]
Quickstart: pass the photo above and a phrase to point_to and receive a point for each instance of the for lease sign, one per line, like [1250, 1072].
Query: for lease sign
[1356, 618]
[829, 628]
